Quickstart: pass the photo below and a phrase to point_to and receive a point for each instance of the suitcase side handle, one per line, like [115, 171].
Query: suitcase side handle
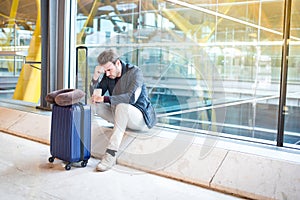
[81, 131]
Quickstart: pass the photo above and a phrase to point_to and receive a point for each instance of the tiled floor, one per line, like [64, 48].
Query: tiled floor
[25, 173]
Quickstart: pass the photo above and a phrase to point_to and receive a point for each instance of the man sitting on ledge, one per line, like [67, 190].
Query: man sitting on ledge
[126, 106]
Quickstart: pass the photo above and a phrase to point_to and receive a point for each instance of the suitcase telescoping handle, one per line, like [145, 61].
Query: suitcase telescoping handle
[86, 70]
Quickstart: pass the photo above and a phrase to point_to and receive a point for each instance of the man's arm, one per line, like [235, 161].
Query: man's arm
[128, 88]
[98, 75]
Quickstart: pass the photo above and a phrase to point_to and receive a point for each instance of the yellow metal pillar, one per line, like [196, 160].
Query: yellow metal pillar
[88, 20]
[11, 26]
[28, 87]
[80, 40]
[12, 19]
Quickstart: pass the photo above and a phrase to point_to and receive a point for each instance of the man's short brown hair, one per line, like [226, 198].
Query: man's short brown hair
[108, 55]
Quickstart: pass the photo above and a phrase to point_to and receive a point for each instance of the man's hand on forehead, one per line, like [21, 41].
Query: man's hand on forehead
[98, 71]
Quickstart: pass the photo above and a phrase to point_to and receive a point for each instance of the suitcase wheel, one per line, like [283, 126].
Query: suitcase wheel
[51, 159]
[68, 166]
[84, 163]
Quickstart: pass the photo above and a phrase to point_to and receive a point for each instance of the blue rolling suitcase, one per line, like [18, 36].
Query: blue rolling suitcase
[70, 138]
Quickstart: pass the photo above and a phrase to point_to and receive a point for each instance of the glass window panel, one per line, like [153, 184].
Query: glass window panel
[210, 66]
[295, 30]
[272, 14]
[292, 118]
[20, 50]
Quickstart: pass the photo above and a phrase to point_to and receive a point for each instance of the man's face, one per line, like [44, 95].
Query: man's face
[112, 70]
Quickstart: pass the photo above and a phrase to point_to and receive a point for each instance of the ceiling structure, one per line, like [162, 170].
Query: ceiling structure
[271, 11]
[26, 10]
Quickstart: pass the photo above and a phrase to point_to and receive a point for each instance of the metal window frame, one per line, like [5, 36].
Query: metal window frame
[284, 71]
[58, 46]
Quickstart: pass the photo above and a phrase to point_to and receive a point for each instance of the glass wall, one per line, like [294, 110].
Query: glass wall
[291, 129]
[211, 66]
[20, 50]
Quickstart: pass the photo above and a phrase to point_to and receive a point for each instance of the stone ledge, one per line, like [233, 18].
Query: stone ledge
[223, 169]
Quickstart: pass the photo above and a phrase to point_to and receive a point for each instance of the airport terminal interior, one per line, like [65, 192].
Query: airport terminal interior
[223, 77]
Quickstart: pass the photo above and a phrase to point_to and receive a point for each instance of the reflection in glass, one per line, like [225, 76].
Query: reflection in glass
[210, 66]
